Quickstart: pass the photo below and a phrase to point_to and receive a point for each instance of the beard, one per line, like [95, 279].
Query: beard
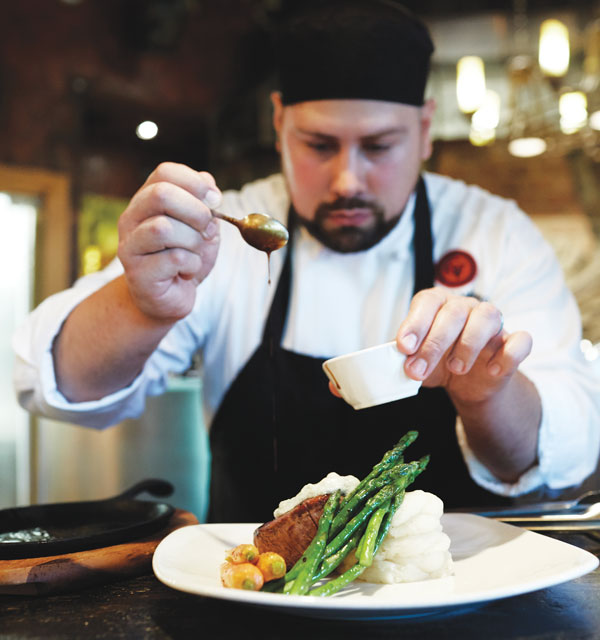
[348, 238]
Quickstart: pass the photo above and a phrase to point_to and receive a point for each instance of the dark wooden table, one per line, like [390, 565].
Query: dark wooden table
[142, 607]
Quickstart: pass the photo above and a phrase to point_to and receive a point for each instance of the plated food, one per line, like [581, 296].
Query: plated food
[412, 570]
[343, 529]
[490, 560]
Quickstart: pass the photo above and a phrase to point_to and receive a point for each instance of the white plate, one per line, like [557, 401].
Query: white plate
[492, 560]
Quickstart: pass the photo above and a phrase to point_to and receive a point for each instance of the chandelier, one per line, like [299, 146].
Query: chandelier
[553, 100]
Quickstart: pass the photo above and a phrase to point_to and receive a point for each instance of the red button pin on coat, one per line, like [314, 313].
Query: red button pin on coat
[456, 268]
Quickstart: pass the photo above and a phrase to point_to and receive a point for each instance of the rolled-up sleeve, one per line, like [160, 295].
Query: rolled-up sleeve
[533, 297]
[34, 374]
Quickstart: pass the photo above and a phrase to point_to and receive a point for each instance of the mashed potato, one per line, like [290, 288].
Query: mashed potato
[330, 483]
[415, 548]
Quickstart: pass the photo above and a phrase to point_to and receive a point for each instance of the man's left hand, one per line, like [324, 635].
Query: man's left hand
[458, 342]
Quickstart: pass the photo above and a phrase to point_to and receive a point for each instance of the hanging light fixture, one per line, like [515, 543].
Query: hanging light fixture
[552, 107]
[527, 120]
[527, 147]
[591, 73]
[470, 83]
[572, 106]
[554, 50]
[485, 120]
[594, 120]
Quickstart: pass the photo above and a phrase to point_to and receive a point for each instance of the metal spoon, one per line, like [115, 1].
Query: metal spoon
[258, 230]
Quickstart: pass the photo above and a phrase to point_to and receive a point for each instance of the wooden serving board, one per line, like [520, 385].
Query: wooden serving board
[71, 571]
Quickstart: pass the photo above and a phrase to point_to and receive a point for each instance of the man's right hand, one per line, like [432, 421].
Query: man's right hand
[168, 240]
[168, 243]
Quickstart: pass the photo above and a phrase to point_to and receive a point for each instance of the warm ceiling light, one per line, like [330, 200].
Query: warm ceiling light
[594, 120]
[485, 120]
[572, 107]
[554, 48]
[481, 137]
[470, 83]
[488, 115]
[526, 147]
[146, 130]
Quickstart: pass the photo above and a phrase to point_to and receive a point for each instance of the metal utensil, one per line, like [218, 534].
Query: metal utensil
[539, 524]
[575, 505]
[258, 230]
[565, 521]
[579, 514]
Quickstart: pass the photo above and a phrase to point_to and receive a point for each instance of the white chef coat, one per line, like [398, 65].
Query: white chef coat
[344, 302]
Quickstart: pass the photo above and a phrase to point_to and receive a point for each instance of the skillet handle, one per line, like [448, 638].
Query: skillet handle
[154, 486]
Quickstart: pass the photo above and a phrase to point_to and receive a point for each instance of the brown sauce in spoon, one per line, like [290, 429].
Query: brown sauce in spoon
[266, 239]
[260, 231]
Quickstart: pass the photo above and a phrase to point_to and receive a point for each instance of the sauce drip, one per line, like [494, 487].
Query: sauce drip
[267, 236]
[260, 231]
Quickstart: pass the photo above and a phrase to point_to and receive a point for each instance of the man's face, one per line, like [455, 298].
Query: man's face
[350, 165]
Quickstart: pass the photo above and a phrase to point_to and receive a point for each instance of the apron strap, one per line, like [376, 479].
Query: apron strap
[273, 331]
[423, 240]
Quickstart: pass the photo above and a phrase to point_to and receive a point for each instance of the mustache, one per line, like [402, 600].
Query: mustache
[344, 203]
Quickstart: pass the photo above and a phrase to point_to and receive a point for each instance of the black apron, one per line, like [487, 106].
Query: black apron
[279, 427]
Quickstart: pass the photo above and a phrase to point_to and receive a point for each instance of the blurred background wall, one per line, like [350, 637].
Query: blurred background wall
[77, 77]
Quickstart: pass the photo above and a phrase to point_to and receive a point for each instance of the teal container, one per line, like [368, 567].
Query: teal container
[170, 441]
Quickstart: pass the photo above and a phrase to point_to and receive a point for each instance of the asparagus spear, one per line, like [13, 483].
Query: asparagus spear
[404, 472]
[315, 550]
[335, 585]
[389, 459]
[388, 476]
[380, 493]
[372, 503]
[369, 540]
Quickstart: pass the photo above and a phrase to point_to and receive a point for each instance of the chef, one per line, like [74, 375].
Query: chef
[378, 250]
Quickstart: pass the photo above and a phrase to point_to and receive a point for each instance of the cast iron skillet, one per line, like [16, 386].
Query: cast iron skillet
[67, 527]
